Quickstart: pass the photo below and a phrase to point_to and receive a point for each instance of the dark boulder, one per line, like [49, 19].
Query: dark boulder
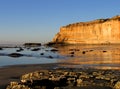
[83, 52]
[41, 53]
[32, 44]
[1, 48]
[54, 50]
[15, 55]
[104, 51]
[72, 52]
[50, 57]
[50, 44]
[20, 49]
[35, 49]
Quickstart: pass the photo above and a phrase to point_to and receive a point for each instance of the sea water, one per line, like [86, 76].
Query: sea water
[91, 56]
[30, 57]
[75, 56]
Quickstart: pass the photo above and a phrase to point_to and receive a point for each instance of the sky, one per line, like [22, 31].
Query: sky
[24, 21]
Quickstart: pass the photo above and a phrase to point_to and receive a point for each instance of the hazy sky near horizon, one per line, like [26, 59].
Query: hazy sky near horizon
[39, 20]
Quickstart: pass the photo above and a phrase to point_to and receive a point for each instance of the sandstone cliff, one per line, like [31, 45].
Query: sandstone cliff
[101, 31]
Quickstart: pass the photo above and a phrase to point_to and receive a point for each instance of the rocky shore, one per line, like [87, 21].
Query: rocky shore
[68, 78]
[63, 75]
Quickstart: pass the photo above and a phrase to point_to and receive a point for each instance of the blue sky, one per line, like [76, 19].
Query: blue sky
[39, 20]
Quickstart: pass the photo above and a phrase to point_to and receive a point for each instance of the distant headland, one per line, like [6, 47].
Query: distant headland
[100, 31]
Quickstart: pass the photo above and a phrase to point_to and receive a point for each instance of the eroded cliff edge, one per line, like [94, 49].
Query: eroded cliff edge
[100, 31]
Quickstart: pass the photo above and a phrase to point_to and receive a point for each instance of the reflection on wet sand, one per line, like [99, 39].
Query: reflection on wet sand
[95, 56]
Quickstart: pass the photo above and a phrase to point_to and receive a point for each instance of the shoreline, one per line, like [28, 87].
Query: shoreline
[14, 72]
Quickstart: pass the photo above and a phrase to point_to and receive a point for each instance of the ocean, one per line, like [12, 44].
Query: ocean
[74, 56]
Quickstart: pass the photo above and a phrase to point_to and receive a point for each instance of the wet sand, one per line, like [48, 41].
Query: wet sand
[13, 73]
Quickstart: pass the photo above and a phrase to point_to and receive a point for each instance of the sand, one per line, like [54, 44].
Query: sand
[13, 73]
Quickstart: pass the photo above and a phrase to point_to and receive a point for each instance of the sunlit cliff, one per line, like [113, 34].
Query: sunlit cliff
[100, 31]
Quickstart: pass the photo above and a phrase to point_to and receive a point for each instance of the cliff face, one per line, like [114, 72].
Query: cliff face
[101, 31]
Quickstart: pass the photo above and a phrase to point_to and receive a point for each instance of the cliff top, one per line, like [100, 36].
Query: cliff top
[117, 17]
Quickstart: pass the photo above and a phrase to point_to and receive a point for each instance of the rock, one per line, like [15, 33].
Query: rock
[15, 55]
[117, 85]
[50, 44]
[1, 48]
[104, 51]
[16, 85]
[50, 57]
[83, 52]
[35, 49]
[13, 83]
[54, 50]
[59, 78]
[32, 44]
[72, 52]
[20, 49]
[41, 53]
[91, 50]
[72, 55]
[71, 81]
[79, 81]
[100, 31]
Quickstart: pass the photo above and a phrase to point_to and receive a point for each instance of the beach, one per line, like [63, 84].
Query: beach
[96, 67]
[13, 74]
[59, 44]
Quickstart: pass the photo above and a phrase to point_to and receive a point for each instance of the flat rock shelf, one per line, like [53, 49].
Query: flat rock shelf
[68, 78]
